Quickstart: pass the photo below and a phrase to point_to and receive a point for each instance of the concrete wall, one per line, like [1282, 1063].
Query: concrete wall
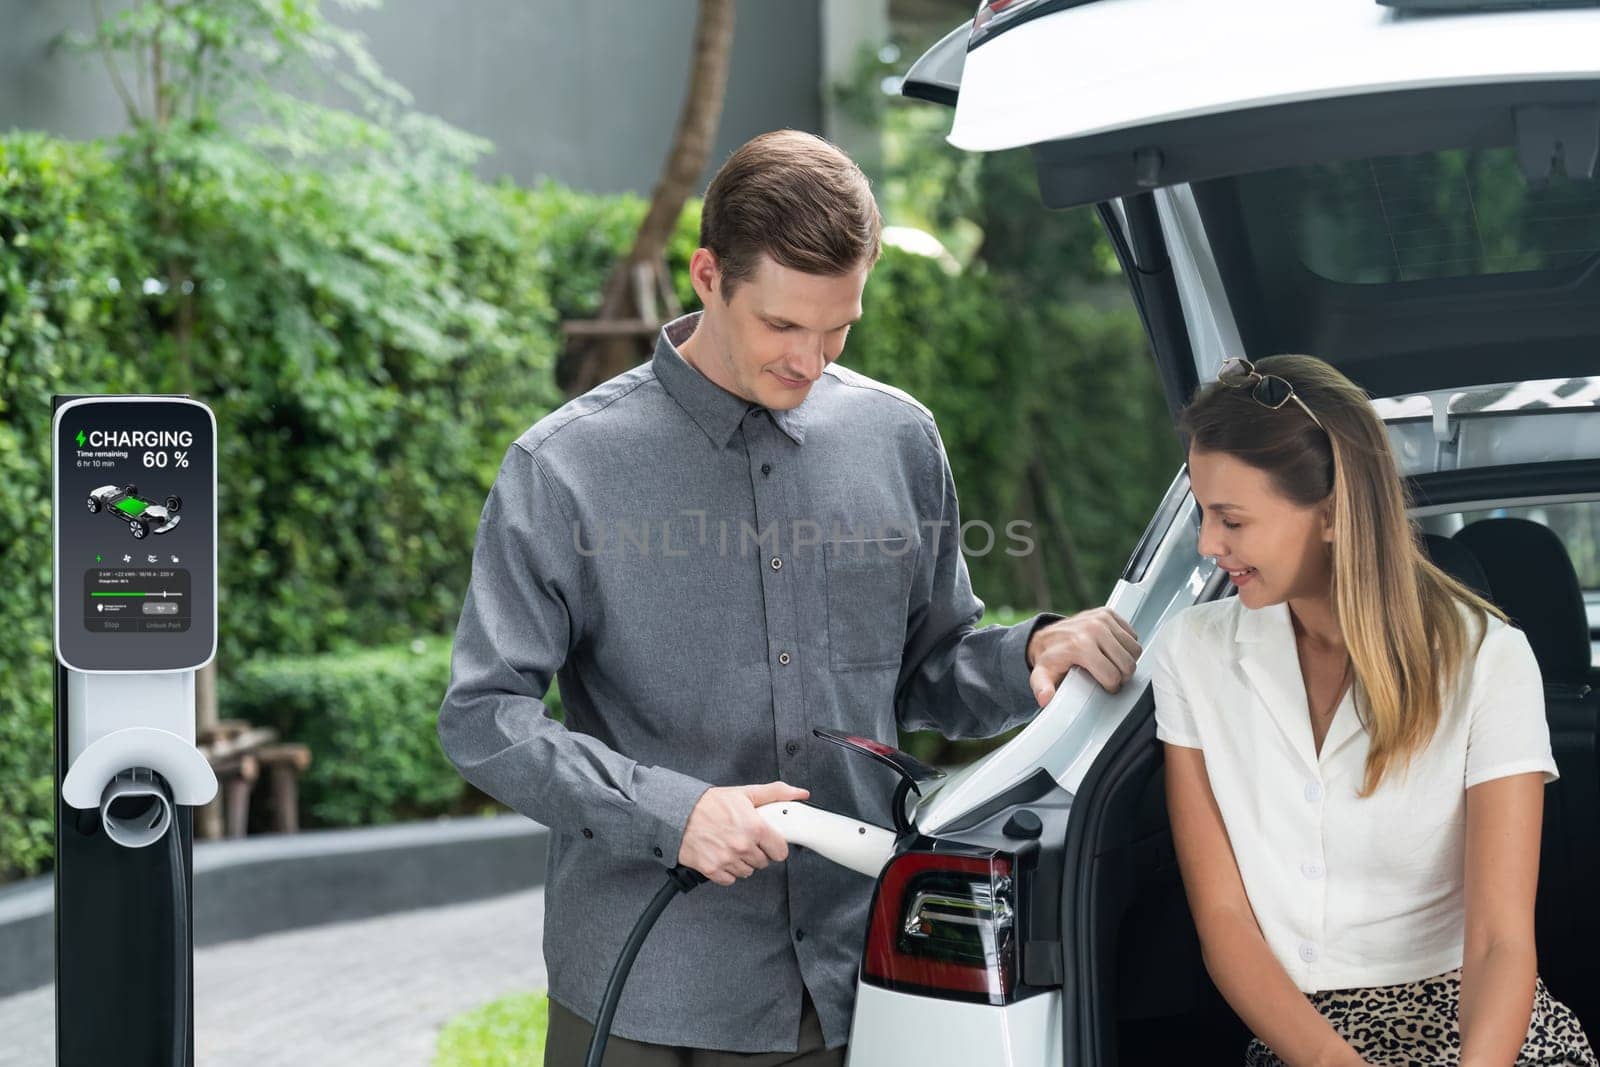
[586, 91]
[273, 882]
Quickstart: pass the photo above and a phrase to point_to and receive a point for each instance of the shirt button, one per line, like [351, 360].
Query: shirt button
[776, 563]
[1313, 791]
[587, 832]
[657, 851]
[1312, 871]
[792, 747]
[799, 935]
[783, 657]
[1308, 952]
[766, 468]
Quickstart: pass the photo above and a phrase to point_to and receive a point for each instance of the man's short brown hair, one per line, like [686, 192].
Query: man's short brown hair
[796, 197]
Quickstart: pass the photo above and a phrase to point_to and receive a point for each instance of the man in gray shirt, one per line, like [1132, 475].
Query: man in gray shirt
[716, 552]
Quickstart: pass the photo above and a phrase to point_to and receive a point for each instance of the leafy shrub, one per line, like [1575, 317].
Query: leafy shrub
[368, 717]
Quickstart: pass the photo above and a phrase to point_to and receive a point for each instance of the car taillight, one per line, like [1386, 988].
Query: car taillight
[993, 14]
[945, 923]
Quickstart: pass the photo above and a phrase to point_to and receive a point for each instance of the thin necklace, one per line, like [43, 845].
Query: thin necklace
[1339, 694]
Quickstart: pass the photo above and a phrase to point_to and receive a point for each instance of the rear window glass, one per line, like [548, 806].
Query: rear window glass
[1447, 214]
[1427, 271]
[1577, 524]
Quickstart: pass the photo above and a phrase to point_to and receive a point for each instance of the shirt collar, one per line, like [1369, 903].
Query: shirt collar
[1271, 661]
[717, 411]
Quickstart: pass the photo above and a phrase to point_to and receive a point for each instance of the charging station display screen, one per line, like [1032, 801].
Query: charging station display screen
[135, 534]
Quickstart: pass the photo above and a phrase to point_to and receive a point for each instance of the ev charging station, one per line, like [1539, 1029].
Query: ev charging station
[135, 591]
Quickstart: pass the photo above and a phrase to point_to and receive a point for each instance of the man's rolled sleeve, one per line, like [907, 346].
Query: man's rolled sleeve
[521, 618]
[954, 678]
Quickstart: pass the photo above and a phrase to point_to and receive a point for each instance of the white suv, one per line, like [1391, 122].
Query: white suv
[1406, 189]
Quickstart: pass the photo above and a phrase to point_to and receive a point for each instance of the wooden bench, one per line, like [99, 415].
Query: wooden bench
[238, 752]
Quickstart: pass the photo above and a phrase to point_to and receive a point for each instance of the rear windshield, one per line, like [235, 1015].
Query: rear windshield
[1443, 214]
[1415, 272]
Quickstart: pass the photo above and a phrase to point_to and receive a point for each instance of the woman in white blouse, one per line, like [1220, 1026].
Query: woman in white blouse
[1356, 752]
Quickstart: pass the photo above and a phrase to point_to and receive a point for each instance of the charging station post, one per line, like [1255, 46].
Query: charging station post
[135, 595]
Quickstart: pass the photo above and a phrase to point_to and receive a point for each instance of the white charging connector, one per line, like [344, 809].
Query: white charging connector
[851, 843]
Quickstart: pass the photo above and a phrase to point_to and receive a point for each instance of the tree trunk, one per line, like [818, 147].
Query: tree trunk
[1077, 587]
[641, 276]
[1031, 568]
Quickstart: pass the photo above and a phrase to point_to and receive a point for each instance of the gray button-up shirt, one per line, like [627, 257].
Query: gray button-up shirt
[710, 580]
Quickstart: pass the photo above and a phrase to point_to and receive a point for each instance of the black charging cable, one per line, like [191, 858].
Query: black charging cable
[680, 879]
[180, 934]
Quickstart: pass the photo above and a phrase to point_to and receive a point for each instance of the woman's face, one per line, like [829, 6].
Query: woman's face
[1275, 549]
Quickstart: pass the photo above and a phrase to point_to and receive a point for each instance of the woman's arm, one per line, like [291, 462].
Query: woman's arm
[1244, 969]
[1504, 817]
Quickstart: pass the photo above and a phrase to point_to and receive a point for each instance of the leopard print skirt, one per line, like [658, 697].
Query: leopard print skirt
[1416, 1024]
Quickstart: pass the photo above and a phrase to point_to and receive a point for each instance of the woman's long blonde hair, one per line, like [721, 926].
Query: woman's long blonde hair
[1398, 612]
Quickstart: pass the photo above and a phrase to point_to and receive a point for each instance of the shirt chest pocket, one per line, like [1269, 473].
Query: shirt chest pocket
[869, 585]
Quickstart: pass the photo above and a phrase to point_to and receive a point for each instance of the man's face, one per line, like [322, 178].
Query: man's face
[773, 339]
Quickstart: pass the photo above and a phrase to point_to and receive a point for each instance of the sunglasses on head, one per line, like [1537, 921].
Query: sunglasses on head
[1268, 390]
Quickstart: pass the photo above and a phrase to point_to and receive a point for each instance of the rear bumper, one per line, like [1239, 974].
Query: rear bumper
[918, 1031]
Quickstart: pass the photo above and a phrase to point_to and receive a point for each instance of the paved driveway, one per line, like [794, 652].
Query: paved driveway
[370, 992]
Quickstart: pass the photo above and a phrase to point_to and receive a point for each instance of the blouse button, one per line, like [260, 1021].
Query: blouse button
[1313, 791]
[1311, 870]
[1308, 952]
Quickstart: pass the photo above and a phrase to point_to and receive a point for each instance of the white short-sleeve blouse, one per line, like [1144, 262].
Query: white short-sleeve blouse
[1347, 891]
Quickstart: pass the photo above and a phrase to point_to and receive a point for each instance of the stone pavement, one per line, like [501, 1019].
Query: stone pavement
[350, 994]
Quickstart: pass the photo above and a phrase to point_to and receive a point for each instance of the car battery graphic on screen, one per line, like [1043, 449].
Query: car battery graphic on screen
[144, 517]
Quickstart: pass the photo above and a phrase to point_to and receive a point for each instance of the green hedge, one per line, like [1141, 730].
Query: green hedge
[370, 718]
